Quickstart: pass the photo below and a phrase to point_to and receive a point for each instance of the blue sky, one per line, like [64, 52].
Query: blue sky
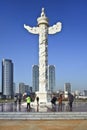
[67, 50]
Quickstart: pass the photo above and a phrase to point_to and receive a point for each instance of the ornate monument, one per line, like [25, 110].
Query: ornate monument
[43, 30]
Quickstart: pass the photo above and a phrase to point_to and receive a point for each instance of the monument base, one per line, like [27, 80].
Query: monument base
[44, 97]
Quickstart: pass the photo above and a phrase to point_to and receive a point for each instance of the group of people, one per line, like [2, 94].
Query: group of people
[17, 99]
[60, 99]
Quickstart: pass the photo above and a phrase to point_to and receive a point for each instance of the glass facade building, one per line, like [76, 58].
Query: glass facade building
[35, 78]
[67, 87]
[7, 78]
[51, 78]
[23, 88]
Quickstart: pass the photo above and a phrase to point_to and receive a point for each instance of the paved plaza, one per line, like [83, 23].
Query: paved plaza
[48, 124]
[11, 107]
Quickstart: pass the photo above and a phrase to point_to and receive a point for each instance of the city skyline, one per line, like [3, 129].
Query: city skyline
[67, 50]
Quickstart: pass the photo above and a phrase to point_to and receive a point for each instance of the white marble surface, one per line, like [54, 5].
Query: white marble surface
[43, 30]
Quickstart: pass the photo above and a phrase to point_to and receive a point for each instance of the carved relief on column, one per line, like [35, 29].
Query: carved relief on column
[43, 55]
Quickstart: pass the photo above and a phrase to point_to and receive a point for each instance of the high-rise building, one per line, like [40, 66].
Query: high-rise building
[51, 78]
[14, 88]
[35, 78]
[7, 78]
[67, 87]
[23, 88]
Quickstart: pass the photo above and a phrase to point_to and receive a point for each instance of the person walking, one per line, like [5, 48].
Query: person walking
[70, 99]
[15, 100]
[37, 98]
[60, 102]
[28, 102]
[53, 101]
[19, 102]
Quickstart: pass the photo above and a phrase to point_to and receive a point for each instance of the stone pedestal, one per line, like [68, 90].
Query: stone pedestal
[44, 97]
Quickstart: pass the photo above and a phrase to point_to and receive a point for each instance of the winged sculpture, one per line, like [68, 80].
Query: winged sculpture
[55, 28]
[34, 30]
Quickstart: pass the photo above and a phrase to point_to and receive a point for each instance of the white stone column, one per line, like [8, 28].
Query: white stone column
[43, 30]
[43, 58]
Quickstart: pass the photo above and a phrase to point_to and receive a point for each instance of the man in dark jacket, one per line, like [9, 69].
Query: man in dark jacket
[53, 101]
[70, 99]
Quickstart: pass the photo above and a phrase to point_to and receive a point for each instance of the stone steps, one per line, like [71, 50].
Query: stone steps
[42, 115]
